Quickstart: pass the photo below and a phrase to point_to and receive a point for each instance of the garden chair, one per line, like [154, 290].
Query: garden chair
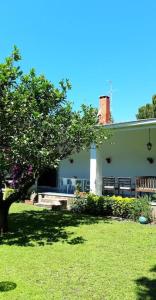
[124, 185]
[86, 185]
[108, 185]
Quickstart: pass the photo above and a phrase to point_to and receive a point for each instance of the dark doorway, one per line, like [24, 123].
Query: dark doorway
[48, 178]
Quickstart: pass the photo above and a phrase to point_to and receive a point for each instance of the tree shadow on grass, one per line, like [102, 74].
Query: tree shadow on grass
[31, 228]
[146, 287]
[6, 286]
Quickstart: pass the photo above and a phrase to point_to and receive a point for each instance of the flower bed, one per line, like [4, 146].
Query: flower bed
[117, 206]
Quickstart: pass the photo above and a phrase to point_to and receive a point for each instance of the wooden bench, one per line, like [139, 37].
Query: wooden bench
[145, 184]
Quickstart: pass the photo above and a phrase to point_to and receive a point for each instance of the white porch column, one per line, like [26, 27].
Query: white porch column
[95, 171]
[99, 164]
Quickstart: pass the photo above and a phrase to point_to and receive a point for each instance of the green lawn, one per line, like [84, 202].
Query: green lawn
[63, 256]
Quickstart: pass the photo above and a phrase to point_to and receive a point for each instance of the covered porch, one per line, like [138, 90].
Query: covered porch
[127, 160]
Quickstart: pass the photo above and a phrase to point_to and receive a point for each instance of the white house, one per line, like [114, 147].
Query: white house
[130, 152]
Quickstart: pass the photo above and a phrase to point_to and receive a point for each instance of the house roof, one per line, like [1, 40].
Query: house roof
[149, 123]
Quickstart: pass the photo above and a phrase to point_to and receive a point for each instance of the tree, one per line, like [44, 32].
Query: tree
[38, 128]
[147, 111]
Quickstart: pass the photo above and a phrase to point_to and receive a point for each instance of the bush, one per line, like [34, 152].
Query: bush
[7, 193]
[79, 204]
[140, 206]
[130, 208]
[121, 206]
[92, 204]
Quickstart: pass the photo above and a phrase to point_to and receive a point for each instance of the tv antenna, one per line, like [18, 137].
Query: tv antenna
[110, 92]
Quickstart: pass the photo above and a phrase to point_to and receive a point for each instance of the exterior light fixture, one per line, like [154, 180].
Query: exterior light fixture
[108, 160]
[149, 144]
[71, 160]
[150, 160]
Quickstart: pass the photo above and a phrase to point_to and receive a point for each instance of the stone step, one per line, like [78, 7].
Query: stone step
[43, 205]
[52, 199]
[48, 205]
[48, 200]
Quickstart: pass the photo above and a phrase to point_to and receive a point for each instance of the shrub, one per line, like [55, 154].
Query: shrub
[140, 206]
[92, 204]
[117, 206]
[121, 206]
[7, 192]
[79, 205]
[104, 205]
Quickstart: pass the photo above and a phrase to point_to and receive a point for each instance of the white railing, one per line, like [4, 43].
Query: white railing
[70, 185]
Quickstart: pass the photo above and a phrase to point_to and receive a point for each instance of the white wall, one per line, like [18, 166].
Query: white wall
[129, 153]
[79, 168]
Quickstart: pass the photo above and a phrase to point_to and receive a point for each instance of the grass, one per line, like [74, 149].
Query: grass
[54, 255]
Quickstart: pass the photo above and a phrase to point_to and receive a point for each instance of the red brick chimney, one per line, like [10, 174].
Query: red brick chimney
[104, 110]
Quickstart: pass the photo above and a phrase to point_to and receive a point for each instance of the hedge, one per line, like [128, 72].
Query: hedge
[129, 208]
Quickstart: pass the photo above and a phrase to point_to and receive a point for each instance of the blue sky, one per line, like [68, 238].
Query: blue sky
[91, 42]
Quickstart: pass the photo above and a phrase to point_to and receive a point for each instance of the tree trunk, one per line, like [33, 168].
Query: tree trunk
[4, 210]
[3, 217]
[5, 204]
